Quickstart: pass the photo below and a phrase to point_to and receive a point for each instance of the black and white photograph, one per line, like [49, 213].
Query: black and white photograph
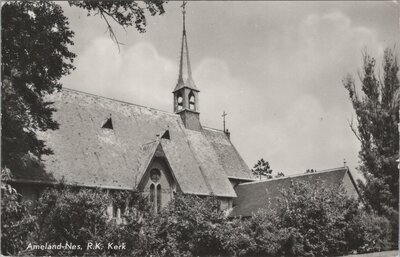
[200, 128]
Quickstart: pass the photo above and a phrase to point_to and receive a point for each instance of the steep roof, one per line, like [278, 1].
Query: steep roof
[87, 154]
[253, 196]
[230, 159]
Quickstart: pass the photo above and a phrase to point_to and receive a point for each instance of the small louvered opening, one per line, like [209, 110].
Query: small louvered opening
[108, 124]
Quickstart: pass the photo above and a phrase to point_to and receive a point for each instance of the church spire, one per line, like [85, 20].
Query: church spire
[186, 94]
[185, 72]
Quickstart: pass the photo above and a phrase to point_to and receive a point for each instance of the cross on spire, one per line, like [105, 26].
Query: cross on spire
[223, 116]
[183, 8]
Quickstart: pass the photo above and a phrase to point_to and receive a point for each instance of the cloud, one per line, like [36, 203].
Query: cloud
[286, 104]
[295, 114]
[137, 74]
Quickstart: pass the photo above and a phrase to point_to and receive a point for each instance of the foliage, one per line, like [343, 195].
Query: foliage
[35, 55]
[189, 225]
[69, 215]
[377, 111]
[279, 175]
[133, 13]
[262, 168]
[15, 219]
[310, 220]
[321, 217]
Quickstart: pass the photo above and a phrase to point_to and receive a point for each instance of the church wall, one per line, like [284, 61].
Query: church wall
[225, 203]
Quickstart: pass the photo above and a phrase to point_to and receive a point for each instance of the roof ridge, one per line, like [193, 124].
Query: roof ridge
[296, 175]
[210, 128]
[116, 100]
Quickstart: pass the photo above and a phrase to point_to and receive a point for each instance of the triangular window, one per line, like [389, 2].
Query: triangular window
[166, 135]
[108, 124]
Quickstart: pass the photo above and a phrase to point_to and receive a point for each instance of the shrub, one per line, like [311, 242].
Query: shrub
[309, 220]
[15, 221]
[323, 220]
[188, 225]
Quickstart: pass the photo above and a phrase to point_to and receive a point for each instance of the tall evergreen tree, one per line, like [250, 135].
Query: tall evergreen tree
[377, 112]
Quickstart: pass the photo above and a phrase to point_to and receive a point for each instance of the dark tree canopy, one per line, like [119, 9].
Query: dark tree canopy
[35, 55]
[377, 112]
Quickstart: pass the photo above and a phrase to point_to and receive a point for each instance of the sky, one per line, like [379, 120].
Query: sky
[276, 68]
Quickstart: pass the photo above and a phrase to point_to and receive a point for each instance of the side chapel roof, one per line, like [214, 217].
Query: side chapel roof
[253, 196]
[86, 154]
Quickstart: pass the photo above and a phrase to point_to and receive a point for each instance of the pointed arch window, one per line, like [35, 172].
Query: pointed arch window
[155, 190]
[179, 100]
[152, 193]
[192, 101]
[158, 197]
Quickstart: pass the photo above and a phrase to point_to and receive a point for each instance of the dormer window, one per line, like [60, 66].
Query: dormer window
[108, 124]
[192, 101]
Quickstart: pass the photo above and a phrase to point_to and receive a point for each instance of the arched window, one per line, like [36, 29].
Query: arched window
[158, 197]
[192, 101]
[180, 101]
[152, 193]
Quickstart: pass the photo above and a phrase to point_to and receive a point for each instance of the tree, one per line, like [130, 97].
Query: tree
[261, 168]
[279, 175]
[377, 112]
[35, 54]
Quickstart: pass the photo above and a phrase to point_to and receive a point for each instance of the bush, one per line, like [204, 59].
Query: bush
[188, 225]
[309, 220]
[320, 220]
[15, 221]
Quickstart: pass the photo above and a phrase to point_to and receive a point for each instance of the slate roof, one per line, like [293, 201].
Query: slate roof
[253, 196]
[86, 154]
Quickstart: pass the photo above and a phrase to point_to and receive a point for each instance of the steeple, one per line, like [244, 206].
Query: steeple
[185, 72]
[186, 101]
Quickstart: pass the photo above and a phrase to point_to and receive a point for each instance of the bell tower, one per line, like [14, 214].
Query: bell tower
[186, 94]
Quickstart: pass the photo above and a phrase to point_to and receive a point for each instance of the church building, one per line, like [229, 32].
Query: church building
[116, 145]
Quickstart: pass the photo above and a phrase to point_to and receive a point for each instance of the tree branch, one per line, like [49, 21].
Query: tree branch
[351, 125]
